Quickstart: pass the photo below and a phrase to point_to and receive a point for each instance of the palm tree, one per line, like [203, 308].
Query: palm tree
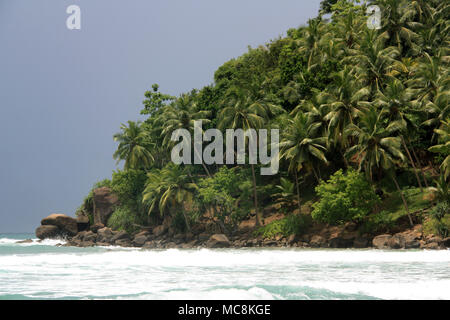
[444, 146]
[169, 188]
[431, 77]
[345, 103]
[394, 101]
[373, 59]
[301, 147]
[398, 22]
[376, 148]
[181, 115]
[245, 108]
[438, 110]
[134, 145]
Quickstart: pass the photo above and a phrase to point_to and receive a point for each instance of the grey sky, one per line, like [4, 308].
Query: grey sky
[63, 94]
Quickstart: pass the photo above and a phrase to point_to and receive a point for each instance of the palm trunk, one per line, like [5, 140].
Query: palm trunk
[403, 199]
[298, 193]
[420, 165]
[203, 164]
[186, 221]
[412, 162]
[255, 197]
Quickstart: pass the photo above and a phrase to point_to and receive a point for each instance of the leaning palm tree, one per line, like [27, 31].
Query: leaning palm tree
[169, 188]
[376, 149]
[134, 145]
[394, 101]
[245, 108]
[301, 147]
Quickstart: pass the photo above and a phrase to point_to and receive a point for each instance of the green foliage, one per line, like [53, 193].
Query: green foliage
[292, 224]
[224, 194]
[123, 218]
[439, 222]
[345, 197]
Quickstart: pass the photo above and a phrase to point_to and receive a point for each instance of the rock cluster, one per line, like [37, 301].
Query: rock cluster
[56, 226]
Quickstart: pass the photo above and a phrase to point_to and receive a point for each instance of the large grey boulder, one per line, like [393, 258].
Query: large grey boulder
[66, 224]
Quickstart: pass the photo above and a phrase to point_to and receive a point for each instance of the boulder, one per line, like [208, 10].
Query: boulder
[204, 236]
[317, 241]
[218, 241]
[82, 222]
[104, 235]
[90, 236]
[139, 241]
[361, 242]
[48, 232]
[397, 241]
[96, 227]
[67, 225]
[381, 241]
[25, 241]
[123, 243]
[159, 230]
[104, 201]
[292, 239]
[121, 235]
[446, 242]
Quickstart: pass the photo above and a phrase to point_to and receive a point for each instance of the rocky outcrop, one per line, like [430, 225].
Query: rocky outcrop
[82, 222]
[67, 225]
[218, 241]
[104, 201]
[48, 232]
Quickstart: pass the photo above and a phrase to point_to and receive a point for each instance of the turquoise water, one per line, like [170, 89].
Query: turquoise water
[46, 271]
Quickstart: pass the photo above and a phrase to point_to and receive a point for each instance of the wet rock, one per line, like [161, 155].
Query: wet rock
[123, 243]
[25, 241]
[204, 237]
[104, 235]
[82, 222]
[48, 232]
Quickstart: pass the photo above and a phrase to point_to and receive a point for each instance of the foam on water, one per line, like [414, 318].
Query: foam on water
[41, 270]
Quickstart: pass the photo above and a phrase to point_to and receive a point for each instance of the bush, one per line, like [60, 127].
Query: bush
[345, 197]
[292, 224]
[125, 219]
[440, 219]
[379, 222]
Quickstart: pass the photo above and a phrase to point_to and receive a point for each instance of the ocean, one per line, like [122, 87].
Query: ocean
[46, 271]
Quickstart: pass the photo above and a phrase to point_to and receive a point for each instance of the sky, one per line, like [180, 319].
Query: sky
[64, 93]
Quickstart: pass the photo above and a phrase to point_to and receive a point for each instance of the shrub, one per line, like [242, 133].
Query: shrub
[440, 220]
[292, 224]
[345, 197]
[125, 219]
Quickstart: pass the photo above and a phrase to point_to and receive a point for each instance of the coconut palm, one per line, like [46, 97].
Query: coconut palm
[398, 23]
[245, 108]
[373, 59]
[181, 115]
[134, 146]
[438, 110]
[376, 148]
[345, 103]
[301, 147]
[394, 101]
